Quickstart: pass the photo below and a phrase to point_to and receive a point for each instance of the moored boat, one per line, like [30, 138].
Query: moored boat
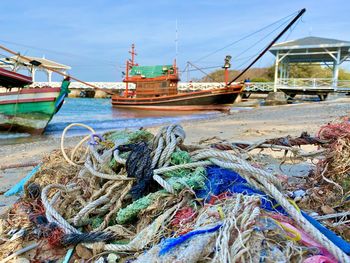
[28, 109]
[156, 89]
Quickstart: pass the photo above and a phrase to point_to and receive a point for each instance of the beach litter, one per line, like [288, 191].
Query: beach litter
[132, 196]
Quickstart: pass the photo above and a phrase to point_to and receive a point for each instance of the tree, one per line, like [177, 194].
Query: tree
[343, 74]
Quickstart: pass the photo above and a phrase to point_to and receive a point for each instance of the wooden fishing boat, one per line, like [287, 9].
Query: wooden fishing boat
[156, 89]
[28, 109]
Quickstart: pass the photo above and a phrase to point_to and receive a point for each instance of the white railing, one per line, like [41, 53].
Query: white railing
[79, 85]
[183, 86]
[306, 83]
[299, 83]
[258, 86]
[296, 83]
[343, 86]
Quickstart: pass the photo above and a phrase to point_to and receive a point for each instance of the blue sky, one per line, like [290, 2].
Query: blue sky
[93, 37]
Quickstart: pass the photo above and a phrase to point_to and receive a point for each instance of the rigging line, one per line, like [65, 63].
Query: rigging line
[263, 38]
[52, 51]
[211, 67]
[184, 70]
[197, 69]
[249, 57]
[201, 71]
[245, 37]
[240, 67]
[92, 65]
[300, 13]
[292, 29]
[238, 58]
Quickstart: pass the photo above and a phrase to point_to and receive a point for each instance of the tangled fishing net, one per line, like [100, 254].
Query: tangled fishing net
[336, 165]
[131, 196]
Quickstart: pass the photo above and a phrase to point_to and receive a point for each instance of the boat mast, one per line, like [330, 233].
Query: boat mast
[126, 79]
[133, 53]
[129, 64]
[301, 12]
[176, 41]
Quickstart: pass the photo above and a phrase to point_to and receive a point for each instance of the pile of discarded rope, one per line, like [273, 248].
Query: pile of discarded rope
[132, 196]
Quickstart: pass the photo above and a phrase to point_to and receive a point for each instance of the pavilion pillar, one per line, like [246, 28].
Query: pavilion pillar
[287, 69]
[284, 70]
[281, 71]
[336, 64]
[276, 72]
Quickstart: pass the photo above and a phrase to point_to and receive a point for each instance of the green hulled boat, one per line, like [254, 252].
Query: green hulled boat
[28, 109]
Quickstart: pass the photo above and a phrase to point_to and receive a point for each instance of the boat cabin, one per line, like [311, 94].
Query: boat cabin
[153, 81]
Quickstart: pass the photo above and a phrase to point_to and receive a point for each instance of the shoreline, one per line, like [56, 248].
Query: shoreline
[247, 125]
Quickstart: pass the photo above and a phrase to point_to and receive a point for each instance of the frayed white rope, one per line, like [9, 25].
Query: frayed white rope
[165, 143]
[51, 214]
[78, 145]
[89, 207]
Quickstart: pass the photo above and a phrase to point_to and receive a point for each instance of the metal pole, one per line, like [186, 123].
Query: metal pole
[226, 76]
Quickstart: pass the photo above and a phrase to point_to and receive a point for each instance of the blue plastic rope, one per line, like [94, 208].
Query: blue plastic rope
[173, 242]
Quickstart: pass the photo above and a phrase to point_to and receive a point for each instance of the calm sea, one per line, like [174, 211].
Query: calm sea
[99, 114]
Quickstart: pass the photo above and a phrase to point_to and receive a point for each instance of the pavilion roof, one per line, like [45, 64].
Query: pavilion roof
[312, 49]
[310, 42]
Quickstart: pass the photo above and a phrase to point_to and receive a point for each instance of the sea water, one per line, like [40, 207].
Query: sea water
[101, 116]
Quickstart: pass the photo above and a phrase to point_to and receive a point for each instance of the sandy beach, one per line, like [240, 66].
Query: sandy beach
[248, 125]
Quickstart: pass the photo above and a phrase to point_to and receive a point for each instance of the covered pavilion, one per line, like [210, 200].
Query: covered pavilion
[309, 50]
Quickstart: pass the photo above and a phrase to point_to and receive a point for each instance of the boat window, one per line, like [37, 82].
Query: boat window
[164, 84]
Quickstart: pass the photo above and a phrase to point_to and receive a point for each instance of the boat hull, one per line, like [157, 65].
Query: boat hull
[220, 99]
[29, 110]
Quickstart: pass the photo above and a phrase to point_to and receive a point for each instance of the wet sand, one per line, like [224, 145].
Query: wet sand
[251, 125]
